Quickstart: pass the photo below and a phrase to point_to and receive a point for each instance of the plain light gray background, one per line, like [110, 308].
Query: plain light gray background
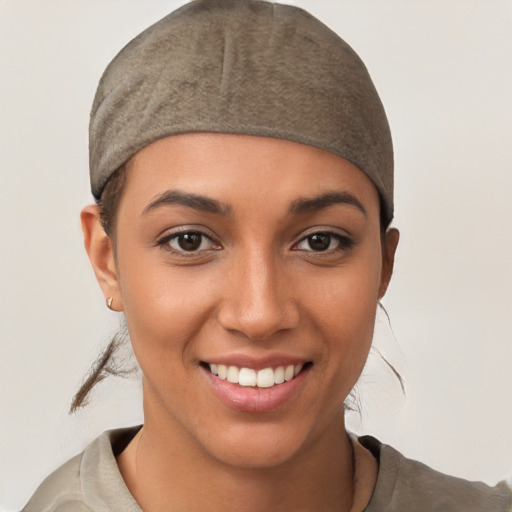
[444, 72]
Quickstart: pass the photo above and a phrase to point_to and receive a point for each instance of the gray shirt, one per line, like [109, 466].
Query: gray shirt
[91, 482]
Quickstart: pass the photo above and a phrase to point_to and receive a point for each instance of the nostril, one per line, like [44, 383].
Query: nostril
[258, 323]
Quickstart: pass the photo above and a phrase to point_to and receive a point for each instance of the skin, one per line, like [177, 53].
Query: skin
[256, 286]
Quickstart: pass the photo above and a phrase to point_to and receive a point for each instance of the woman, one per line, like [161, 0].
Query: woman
[243, 167]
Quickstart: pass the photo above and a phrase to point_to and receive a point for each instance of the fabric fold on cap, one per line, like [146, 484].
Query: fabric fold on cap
[240, 67]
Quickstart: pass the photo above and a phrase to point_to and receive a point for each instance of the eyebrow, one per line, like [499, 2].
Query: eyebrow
[306, 205]
[198, 202]
[209, 205]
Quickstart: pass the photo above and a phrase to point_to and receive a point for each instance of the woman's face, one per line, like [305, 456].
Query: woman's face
[256, 254]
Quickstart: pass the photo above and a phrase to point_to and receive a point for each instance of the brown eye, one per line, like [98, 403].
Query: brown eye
[189, 241]
[324, 241]
[319, 241]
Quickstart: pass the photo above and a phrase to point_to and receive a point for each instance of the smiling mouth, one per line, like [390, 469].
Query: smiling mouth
[248, 377]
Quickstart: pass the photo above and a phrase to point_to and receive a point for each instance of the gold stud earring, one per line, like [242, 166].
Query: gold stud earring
[109, 303]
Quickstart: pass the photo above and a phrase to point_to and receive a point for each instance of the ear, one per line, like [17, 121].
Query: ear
[101, 255]
[389, 245]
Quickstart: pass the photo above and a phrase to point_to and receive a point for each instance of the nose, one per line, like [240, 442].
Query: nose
[258, 298]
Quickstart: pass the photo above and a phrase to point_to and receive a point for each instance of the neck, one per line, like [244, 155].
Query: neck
[164, 472]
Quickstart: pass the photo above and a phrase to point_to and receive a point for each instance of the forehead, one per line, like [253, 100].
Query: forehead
[238, 169]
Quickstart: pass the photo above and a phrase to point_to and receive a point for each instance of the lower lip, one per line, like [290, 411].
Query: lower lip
[252, 399]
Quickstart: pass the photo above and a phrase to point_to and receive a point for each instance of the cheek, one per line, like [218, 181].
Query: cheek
[343, 308]
[164, 308]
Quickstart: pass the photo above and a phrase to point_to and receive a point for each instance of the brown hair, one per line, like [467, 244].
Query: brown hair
[110, 199]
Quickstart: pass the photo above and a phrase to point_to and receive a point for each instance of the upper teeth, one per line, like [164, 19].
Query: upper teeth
[265, 378]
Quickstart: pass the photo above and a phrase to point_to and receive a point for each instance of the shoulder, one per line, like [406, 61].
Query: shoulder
[88, 482]
[405, 484]
[60, 491]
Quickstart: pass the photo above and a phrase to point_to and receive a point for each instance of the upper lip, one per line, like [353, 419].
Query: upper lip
[256, 363]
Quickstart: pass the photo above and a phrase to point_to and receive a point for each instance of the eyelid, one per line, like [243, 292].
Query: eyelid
[170, 234]
[345, 240]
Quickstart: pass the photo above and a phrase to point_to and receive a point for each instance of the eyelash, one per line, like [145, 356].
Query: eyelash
[344, 243]
[165, 242]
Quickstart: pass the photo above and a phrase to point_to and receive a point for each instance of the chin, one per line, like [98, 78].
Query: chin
[257, 447]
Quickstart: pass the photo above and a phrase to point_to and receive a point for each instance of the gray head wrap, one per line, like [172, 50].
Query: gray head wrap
[247, 67]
